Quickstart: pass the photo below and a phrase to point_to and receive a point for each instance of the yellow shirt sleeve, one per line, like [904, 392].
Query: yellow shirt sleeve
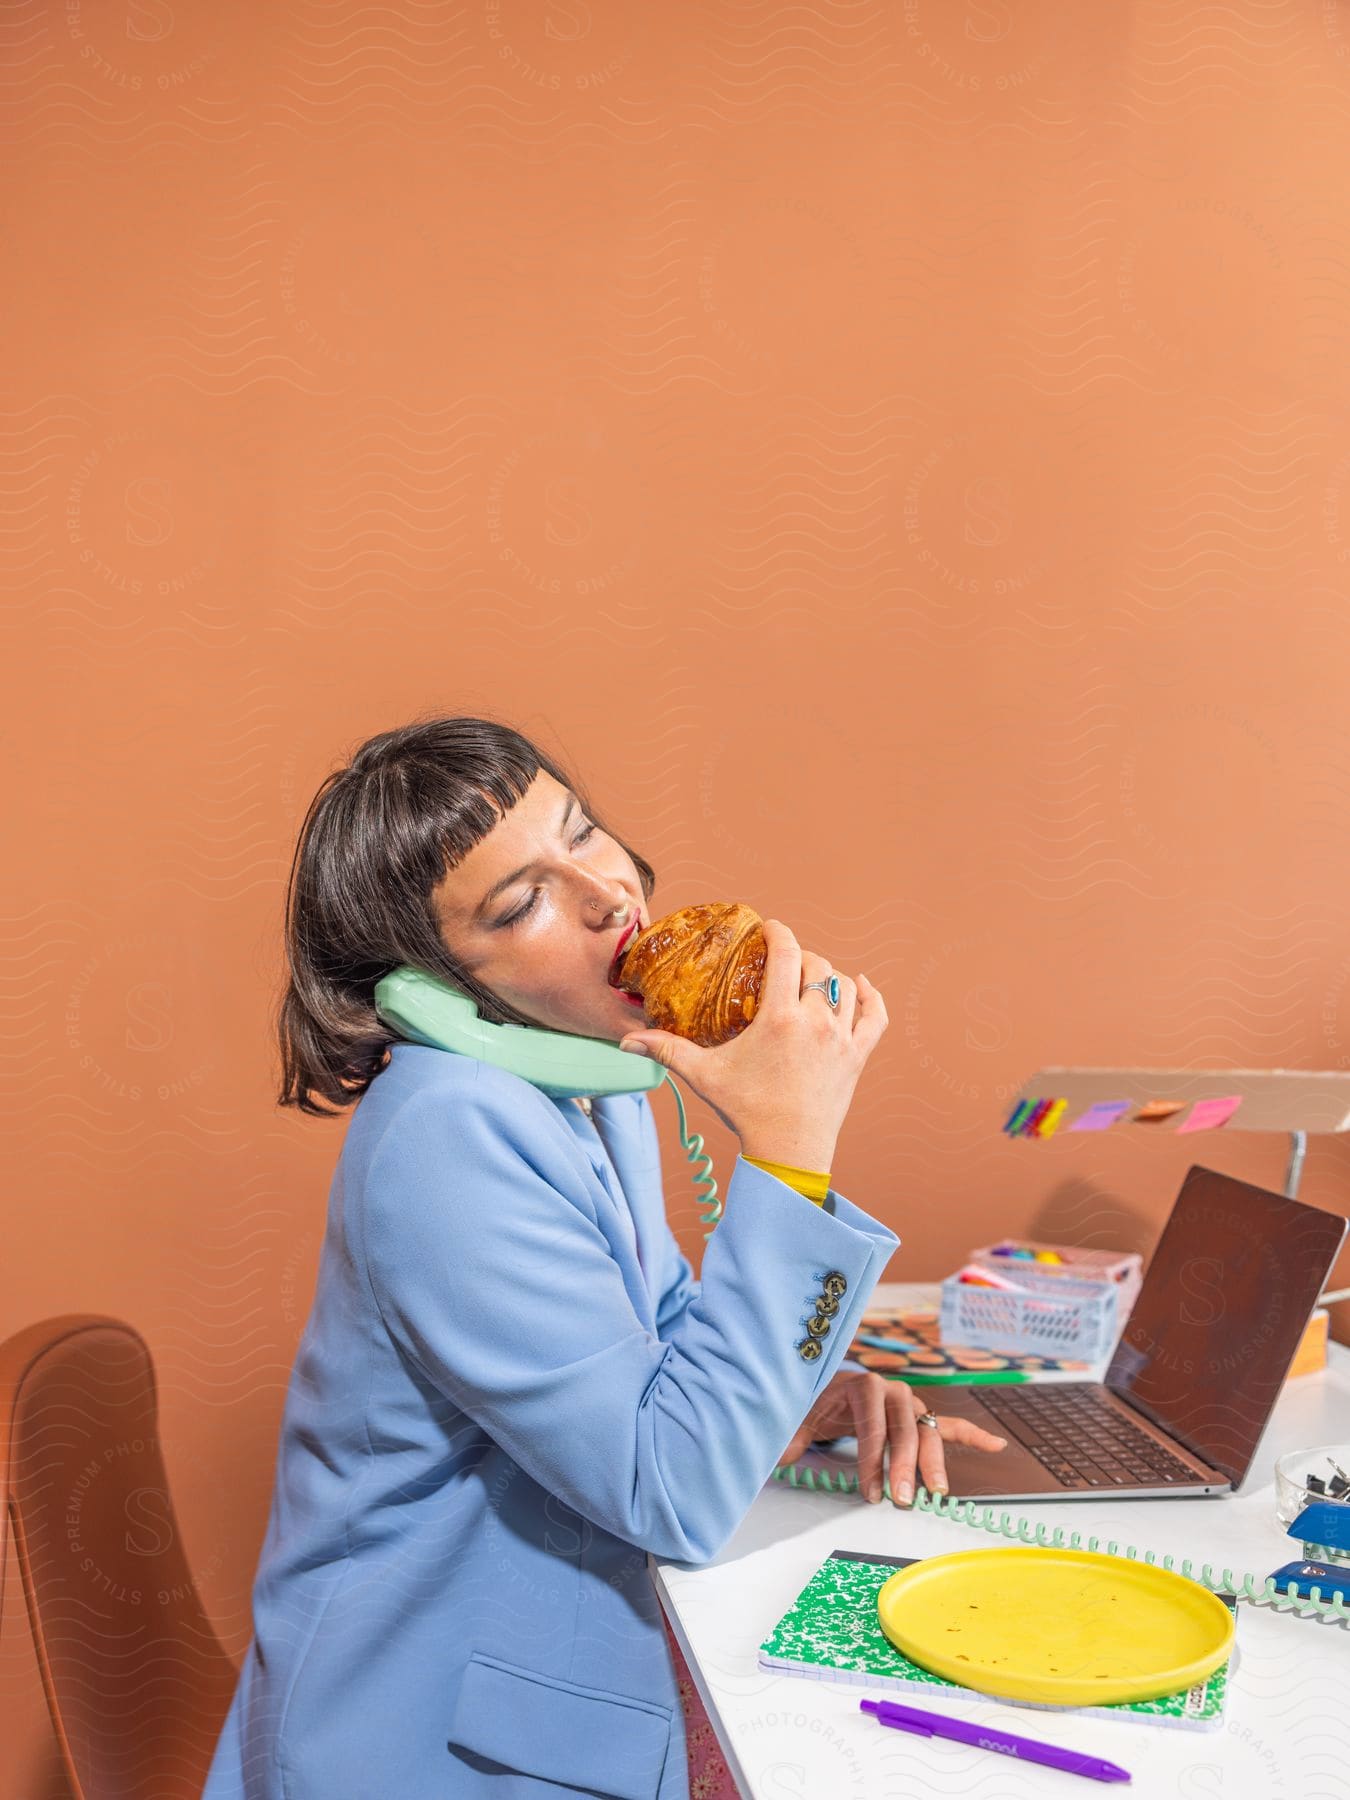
[814, 1183]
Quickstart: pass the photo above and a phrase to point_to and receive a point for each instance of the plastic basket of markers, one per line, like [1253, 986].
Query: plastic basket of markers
[1041, 1299]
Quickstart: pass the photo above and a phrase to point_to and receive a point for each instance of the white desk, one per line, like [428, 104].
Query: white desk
[785, 1737]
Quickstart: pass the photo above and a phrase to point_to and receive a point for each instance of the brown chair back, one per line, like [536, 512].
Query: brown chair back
[136, 1679]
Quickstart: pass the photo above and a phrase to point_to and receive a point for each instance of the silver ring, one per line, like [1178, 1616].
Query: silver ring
[830, 989]
[929, 1419]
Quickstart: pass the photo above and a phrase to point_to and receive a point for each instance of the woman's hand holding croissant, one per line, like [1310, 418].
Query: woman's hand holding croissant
[785, 1083]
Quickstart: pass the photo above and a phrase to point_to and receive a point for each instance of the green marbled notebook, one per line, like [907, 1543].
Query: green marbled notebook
[831, 1633]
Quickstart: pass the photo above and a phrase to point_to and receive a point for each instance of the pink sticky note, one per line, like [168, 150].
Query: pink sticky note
[1205, 1115]
[1101, 1116]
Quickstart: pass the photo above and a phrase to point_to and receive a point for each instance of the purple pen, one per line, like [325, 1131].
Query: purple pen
[987, 1737]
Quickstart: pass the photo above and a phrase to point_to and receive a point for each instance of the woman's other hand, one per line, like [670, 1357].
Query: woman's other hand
[879, 1412]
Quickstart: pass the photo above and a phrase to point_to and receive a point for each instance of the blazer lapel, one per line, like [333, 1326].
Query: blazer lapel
[617, 1119]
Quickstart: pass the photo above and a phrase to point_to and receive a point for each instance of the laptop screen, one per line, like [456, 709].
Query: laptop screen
[1216, 1323]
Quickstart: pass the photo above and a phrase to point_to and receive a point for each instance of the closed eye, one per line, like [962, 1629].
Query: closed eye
[524, 911]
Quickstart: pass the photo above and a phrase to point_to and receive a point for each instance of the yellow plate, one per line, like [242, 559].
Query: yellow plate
[1062, 1627]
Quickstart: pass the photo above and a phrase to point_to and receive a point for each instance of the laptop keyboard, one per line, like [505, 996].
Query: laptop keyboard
[1082, 1441]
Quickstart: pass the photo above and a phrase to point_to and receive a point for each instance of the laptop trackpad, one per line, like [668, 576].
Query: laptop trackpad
[1010, 1471]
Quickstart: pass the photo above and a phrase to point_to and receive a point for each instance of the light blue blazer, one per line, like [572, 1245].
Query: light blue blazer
[509, 1390]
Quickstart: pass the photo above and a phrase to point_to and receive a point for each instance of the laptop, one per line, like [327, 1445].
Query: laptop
[1196, 1372]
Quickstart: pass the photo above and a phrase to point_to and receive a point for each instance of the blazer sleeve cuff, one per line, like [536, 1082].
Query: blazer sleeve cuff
[815, 1240]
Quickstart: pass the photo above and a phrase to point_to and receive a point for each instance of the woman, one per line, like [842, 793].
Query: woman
[510, 1387]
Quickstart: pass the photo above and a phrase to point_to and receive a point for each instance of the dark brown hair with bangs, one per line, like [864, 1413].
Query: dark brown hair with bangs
[378, 837]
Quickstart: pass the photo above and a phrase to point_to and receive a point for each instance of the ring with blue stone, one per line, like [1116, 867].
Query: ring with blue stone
[829, 988]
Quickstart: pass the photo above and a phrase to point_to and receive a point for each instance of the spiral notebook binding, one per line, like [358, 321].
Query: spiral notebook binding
[703, 1177]
[1251, 1588]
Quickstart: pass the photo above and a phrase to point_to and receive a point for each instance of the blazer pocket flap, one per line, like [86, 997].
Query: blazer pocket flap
[538, 1725]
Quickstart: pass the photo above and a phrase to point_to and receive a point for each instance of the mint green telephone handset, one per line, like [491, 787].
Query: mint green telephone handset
[426, 1010]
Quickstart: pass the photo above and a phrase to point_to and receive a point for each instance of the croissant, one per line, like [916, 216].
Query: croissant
[698, 971]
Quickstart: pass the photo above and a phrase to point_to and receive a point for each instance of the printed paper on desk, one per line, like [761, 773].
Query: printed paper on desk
[1101, 1116]
[1207, 1115]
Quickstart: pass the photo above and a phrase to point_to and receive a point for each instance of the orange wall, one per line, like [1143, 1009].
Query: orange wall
[896, 451]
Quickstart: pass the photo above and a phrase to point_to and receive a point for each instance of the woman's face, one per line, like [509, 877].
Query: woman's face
[537, 910]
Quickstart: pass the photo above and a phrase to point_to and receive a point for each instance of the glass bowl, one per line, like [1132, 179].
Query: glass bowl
[1292, 1493]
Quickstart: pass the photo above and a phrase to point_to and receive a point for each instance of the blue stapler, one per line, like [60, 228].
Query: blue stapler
[1323, 1526]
